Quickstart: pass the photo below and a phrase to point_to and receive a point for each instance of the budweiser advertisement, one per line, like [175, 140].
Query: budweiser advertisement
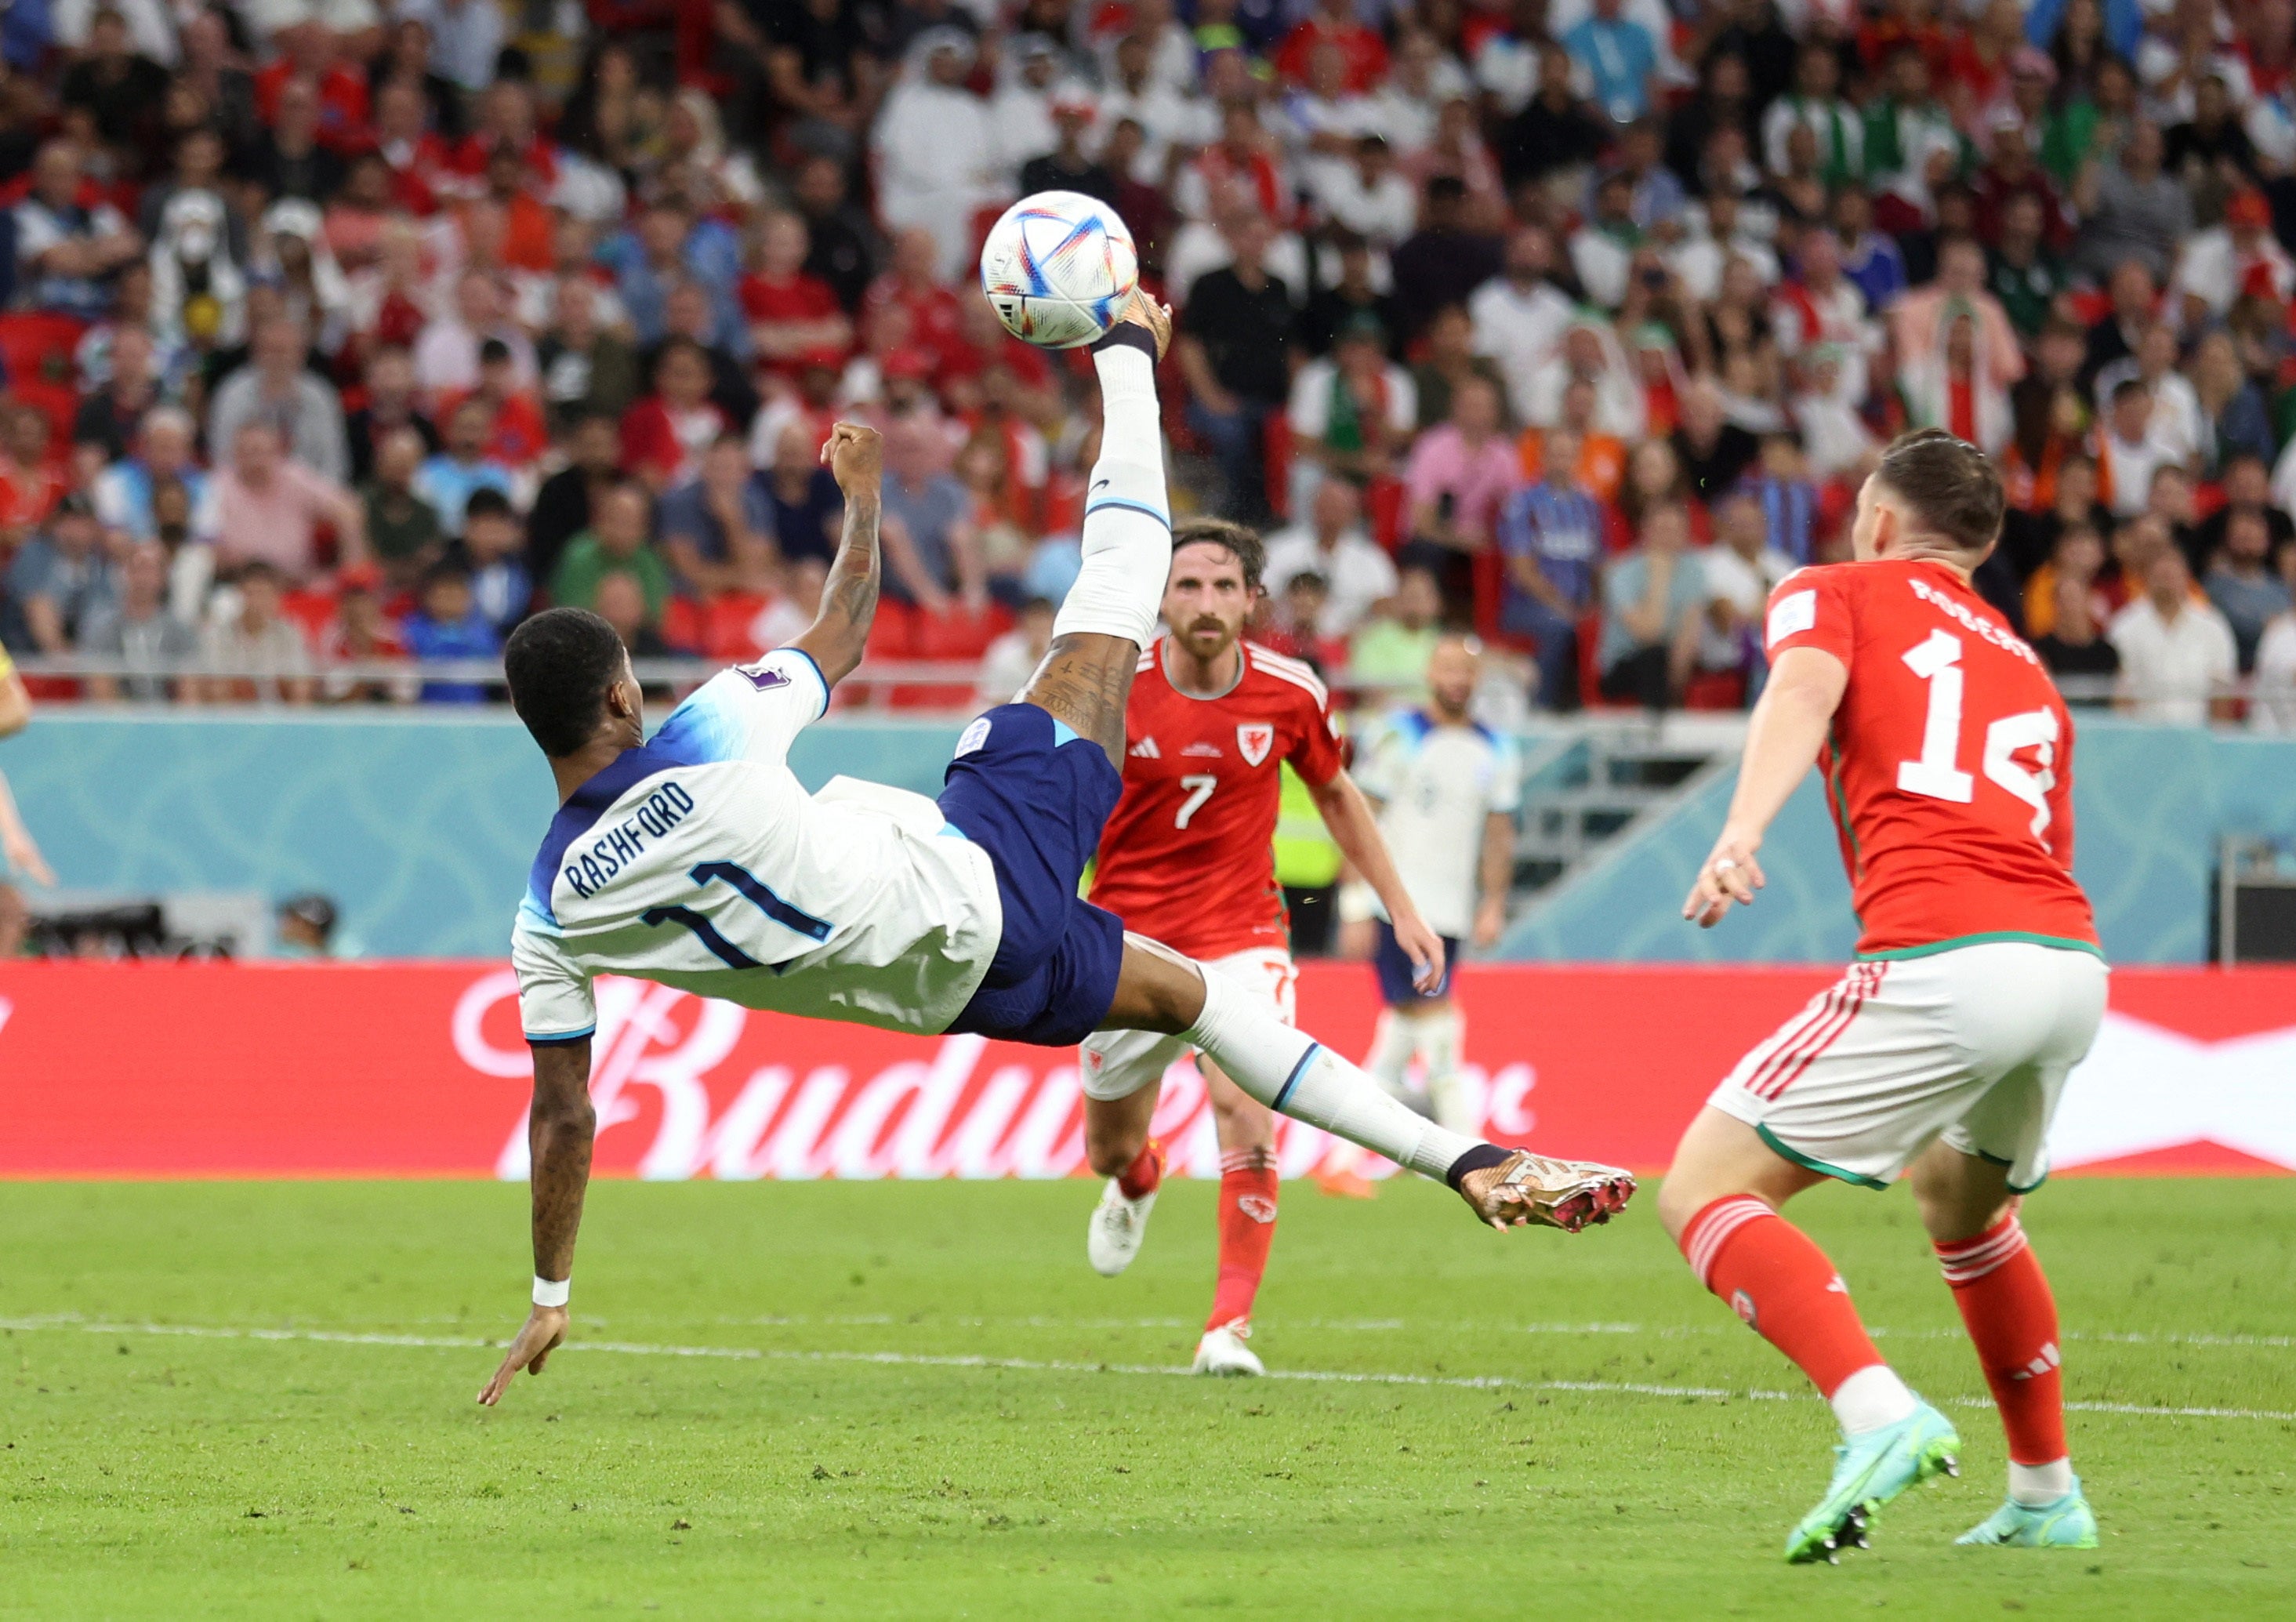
[417, 1070]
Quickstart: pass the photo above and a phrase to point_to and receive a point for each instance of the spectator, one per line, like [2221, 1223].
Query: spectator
[1653, 600]
[2246, 488]
[1448, 359]
[2273, 707]
[1618, 59]
[1551, 534]
[1714, 451]
[1815, 105]
[1234, 350]
[447, 623]
[122, 492]
[391, 403]
[623, 603]
[361, 633]
[2174, 426]
[806, 510]
[664, 434]
[2132, 211]
[1445, 260]
[1350, 416]
[932, 558]
[257, 652]
[791, 313]
[614, 543]
[2226, 262]
[2177, 655]
[715, 521]
[936, 154]
[69, 246]
[136, 629]
[563, 505]
[585, 366]
[276, 389]
[109, 417]
[1357, 574]
[403, 534]
[1459, 475]
[1067, 167]
[2127, 454]
[2076, 652]
[1389, 651]
[2233, 426]
[1013, 657]
[1354, 295]
[269, 509]
[1520, 318]
[1556, 135]
[1738, 573]
[447, 356]
[60, 581]
[493, 550]
[843, 253]
[449, 479]
[2243, 586]
[515, 435]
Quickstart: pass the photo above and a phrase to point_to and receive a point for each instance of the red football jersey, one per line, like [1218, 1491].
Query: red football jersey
[1188, 856]
[1949, 769]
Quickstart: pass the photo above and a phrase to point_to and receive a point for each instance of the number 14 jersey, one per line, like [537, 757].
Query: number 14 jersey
[1949, 768]
[1188, 855]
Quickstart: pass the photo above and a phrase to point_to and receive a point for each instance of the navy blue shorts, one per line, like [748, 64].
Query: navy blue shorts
[1033, 795]
[1393, 964]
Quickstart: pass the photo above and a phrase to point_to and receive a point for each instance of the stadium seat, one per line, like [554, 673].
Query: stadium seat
[311, 608]
[36, 348]
[729, 632]
[683, 625]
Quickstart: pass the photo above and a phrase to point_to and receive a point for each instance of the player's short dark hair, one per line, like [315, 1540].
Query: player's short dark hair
[1952, 488]
[561, 665]
[1242, 541]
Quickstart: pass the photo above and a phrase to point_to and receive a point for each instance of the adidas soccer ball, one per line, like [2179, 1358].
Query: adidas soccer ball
[1058, 268]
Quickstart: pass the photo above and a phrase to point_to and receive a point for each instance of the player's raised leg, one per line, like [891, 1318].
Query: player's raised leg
[2012, 1318]
[1293, 1074]
[1720, 1203]
[1110, 613]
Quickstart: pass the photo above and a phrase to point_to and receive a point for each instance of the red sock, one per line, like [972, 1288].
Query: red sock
[1247, 1227]
[1782, 1285]
[1145, 1174]
[2006, 1306]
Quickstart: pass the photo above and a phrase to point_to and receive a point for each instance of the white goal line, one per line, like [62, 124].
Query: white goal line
[749, 1353]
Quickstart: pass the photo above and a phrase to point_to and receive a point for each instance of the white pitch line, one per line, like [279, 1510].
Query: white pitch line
[749, 1354]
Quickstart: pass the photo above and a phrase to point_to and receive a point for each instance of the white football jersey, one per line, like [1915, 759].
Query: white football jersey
[700, 861]
[1436, 785]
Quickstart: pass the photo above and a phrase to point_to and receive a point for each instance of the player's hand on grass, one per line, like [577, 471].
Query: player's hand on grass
[1424, 948]
[856, 456]
[1730, 874]
[1147, 313]
[542, 1333]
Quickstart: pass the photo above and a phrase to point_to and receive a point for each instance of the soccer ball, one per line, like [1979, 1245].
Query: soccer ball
[1059, 269]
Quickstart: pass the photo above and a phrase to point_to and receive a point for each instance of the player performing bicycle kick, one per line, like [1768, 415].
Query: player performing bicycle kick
[698, 860]
[1978, 984]
[1188, 859]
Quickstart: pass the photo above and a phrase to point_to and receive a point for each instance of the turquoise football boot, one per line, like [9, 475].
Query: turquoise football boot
[2068, 1523]
[1869, 1471]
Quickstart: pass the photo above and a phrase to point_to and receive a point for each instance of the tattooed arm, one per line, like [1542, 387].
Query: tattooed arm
[560, 1125]
[848, 597]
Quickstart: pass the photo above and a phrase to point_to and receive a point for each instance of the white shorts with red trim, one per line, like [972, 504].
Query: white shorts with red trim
[1118, 1063]
[1971, 1044]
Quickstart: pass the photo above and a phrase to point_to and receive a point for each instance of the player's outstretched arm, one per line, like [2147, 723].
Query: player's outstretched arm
[840, 632]
[1783, 739]
[1354, 827]
[559, 1129]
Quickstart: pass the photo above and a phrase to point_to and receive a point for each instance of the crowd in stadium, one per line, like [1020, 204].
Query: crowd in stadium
[355, 330]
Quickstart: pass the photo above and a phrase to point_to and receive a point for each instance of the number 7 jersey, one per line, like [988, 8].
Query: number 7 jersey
[1949, 766]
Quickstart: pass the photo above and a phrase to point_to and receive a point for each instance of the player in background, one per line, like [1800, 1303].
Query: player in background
[1978, 984]
[1188, 859]
[1448, 788]
[696, 859]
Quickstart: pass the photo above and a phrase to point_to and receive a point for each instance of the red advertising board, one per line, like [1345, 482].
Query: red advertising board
[416, 1070]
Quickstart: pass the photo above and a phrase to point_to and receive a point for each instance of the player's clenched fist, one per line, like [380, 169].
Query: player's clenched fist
[856, 454]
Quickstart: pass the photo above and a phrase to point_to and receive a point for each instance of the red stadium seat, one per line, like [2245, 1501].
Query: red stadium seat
[682, 626]
[893, 634]
[36, 348]
[313, 610]
[729, 632]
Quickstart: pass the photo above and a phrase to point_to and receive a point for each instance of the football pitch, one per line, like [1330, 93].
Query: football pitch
[915, 1399]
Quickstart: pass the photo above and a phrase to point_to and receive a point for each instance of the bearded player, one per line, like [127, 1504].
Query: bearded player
[1188, 857]
[1978, 984]
[697, 860]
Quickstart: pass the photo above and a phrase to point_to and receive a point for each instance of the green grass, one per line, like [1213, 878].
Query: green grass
[180, 1475]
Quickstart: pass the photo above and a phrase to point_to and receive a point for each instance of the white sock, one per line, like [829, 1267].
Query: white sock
[1441, 1033]
[1871, 1399]
[2035, 1486]
[1290, 1071]
[1127, 518]
[1392, 1043]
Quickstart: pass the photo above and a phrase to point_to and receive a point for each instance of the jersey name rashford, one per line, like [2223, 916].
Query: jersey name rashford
[700, 861]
